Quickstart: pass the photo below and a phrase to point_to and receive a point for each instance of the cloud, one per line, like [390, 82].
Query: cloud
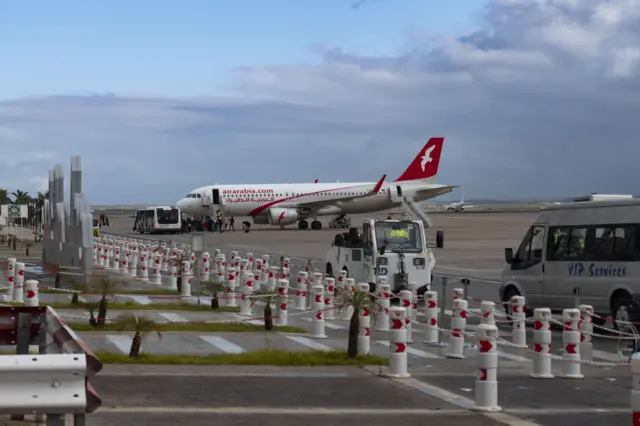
[540, 101]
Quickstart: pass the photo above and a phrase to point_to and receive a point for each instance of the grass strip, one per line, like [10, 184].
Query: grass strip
[264, 357]
[200, 327]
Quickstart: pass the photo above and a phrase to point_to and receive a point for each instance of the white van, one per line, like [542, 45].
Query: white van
[590, 245]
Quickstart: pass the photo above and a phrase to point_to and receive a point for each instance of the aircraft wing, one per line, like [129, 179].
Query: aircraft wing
[324, 203]
[434, 192]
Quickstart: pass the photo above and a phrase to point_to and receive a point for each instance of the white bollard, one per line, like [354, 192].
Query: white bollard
[173, 277]
[329, 294]
[144, 266]
[301, 291]
[364, 326]
[542, 344]
[31, 293]
[11, 277]
[586, 332]
[383, 301]
[518, 319]
[405, 297]
[635, 389]
[18, 289]
[487, 313]
[348, 288]
[157, 269]
[247, 291]
[413, 315]
[458, 293]
[486, 389]
[230, 287]
[571, 342]
[133, 264]
[250, 260]
[282, 301]
[100, 256]
[257, 276]
[125, 261]
[272, 280]
[116, 258]
[398, 366]
[186, 279]
[205, 272]
[317, 306]
[431, 333]
[458, 326]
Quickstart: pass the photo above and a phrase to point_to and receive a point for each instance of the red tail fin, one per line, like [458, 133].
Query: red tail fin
[425, 165]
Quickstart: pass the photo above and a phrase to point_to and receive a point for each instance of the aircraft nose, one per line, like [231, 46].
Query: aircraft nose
[182, 204]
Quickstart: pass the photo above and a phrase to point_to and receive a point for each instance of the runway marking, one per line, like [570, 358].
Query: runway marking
[223, 344]
[171, 317]
[140, 300]
[297, 411]
[329, 325]
[123, 343]
[308, 343]
[412, 351]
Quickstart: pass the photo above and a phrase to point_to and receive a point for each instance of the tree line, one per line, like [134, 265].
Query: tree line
[34, 204]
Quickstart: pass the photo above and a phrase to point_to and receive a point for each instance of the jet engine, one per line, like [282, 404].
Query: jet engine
[283, 216]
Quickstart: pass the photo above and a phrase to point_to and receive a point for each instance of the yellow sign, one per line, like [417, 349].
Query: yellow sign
[399, 233]
[96, 232]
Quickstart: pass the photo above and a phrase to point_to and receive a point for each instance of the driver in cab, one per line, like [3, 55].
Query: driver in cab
[399, 232]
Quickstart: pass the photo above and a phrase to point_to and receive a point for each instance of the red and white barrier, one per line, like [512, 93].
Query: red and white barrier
[486, 388]
[230, 287]
[156, 275]
[458, 326]
[586, 332]
[383, 301]
[398, 365]
[205, 271]
[301, 291]
[405, 301]
[571, 342]
[282, 301]
[11, 273]
[173, 277]
[18, 289]
[542, 344]
[329, 297]
[519, 318]
[31, 293]
[487, 313]
[317, 305]
[349, 287]
[133, 263]
[364, 319]
[247, 291]
[186, 279]
[431, 333]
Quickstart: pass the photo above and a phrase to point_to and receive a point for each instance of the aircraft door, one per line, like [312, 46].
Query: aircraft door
[395, 194]
[216, 196]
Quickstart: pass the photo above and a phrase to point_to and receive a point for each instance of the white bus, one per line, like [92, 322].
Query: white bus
[160, 219]
[588, 246]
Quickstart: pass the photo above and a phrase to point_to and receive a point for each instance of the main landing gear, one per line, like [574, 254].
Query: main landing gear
[316, 224]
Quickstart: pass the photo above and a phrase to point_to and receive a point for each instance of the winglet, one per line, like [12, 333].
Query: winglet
[378, 186]
[315, 181]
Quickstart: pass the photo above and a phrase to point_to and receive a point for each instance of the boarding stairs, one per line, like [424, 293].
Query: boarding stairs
[414, 211]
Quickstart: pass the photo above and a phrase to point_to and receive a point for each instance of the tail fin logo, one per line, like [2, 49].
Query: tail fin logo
[425, 164]
[426, 158]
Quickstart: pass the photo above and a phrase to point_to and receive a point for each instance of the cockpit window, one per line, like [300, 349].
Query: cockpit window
[199, 196]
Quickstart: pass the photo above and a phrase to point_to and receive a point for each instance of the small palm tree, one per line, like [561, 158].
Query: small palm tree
[359, 301]
[267, 296]
[104, 285]
[20, 197]
[214, 288]
[4, 196]
[141, 326]
[91, 308]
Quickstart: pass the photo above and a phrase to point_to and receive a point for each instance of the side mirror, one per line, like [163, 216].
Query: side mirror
[508, 255]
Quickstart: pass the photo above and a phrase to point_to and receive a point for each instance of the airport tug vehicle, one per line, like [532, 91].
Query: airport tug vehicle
[395, 249]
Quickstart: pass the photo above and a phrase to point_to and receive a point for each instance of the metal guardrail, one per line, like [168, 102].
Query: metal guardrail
[22, 327]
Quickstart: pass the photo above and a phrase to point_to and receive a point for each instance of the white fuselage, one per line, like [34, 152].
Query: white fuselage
[256, 200]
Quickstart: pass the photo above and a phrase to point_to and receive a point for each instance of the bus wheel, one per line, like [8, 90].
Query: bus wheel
[620, 310]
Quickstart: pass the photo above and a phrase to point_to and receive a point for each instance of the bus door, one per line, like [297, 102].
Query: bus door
[528, 267]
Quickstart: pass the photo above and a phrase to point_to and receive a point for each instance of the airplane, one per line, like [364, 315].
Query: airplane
[286, 204]
[459, 206]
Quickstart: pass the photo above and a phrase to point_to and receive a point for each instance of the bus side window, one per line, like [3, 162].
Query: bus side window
[613, 243]
[558, 243]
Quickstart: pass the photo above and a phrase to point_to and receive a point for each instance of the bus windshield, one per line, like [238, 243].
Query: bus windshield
[399, 237]
[167, 216]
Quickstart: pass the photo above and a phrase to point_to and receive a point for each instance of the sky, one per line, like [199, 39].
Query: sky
[536, 99]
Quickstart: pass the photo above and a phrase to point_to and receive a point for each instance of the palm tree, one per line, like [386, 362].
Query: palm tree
[213, 287]
[141, 326]
[91, 308]
[268, 296]
[359, 301]
[104, 285]
[20, 197]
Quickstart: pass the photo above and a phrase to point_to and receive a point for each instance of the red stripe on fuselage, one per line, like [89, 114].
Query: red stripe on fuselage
[261, 209]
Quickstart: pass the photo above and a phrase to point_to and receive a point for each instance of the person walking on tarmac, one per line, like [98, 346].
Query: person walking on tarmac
[219, 220]
[231, 222]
